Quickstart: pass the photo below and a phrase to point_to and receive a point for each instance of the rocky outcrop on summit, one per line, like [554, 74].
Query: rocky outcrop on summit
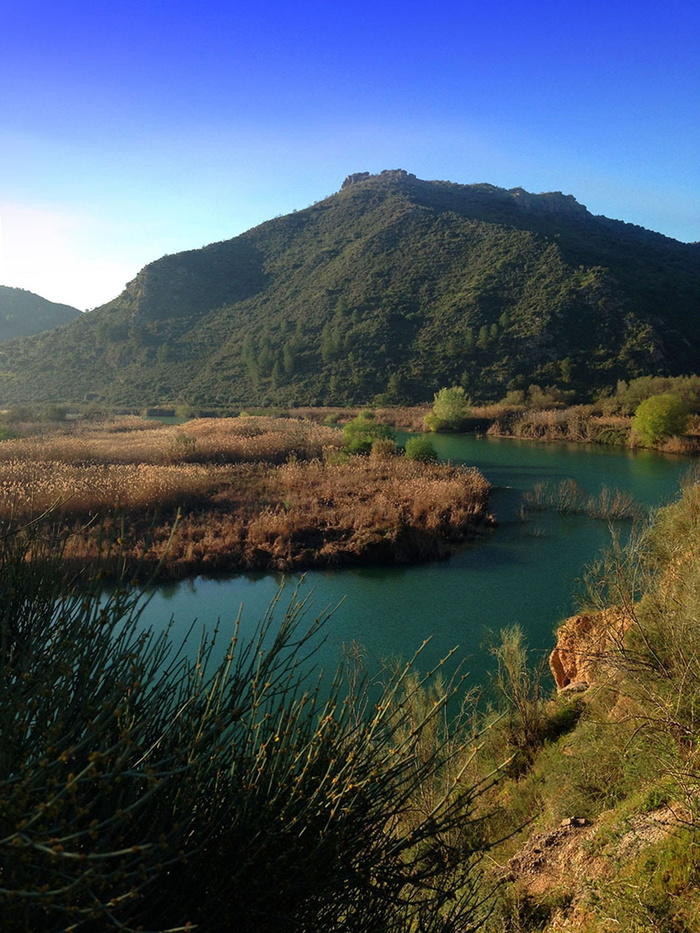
[552, 202]
[389, 174]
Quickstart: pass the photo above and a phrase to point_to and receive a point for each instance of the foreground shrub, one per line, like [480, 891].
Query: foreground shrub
[142, 790]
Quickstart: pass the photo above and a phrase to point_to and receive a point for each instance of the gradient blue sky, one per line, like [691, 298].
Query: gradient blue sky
[133, 129]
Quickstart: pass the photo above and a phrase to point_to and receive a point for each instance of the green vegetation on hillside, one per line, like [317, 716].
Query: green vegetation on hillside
[23, 313]
[628, 395]
[385, 291]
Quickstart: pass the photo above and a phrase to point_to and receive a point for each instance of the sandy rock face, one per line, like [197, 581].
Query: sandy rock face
[583, 644]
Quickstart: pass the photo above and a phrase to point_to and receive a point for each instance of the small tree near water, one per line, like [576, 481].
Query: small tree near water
[658, 418]
[450, 410]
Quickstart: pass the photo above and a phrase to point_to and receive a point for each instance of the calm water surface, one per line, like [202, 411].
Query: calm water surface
[522, 572]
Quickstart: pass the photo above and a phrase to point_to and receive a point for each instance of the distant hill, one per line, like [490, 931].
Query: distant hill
[23, 313]
[390, 288]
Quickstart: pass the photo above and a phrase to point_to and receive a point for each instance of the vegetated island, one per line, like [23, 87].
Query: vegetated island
[248, 493]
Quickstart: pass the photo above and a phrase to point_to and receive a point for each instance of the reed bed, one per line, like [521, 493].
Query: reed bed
[239, 493]
[253, 439]
[404, 417]
[407, 418]
[204, 440]
[305, 514]
[30, 487]
[568, 498]
[687, 446]
[577, 424]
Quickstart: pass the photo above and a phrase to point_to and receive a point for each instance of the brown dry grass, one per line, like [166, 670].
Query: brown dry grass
[204, 440]
[311, 514]
[250, 492]
[577, 424]
[407, 418]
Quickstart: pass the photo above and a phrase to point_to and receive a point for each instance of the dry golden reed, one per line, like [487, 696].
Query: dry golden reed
[225, 494]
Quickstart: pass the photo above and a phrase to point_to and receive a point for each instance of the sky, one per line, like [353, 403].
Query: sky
[129, 130]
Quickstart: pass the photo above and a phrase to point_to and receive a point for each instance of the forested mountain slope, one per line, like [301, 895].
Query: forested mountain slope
[393, 286]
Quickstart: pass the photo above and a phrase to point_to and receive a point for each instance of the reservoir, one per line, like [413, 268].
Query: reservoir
[522, 572]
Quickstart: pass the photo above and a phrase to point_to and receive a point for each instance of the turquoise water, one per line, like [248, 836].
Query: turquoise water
[522, 572]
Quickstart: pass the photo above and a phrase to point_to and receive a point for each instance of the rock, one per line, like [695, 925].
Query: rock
[550, 202]
[392, 174]
[574, 821]
[354, 179]
[578, 686]
[584, 642]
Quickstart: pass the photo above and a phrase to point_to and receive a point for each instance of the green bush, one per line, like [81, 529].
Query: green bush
[519, 691]
[420, 448]
[450, 410]
[658, 418]
[360, 433]
[143, 790]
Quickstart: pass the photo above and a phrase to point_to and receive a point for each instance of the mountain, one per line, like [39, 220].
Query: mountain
[23, 313]
[391, 287]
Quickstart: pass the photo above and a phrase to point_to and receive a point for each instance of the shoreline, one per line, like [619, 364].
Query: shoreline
[403, 545]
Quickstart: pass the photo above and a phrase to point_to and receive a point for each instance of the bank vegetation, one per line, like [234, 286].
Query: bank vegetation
[598, 811]
[224, 787]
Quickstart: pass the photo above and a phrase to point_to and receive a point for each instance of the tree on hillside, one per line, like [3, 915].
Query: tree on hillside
[658, 418]
[450, 410]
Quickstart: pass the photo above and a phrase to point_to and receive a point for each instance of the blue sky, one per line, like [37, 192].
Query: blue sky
[133, 129]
